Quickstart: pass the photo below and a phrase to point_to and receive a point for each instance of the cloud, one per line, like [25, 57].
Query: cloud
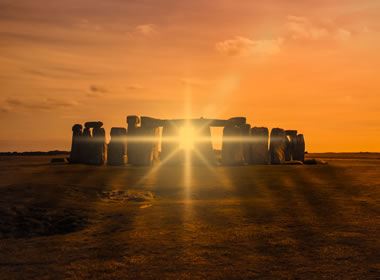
[343, 34]
[96, 91]
[146, 29]
[59, 72]
[196, 82]
[87, 25]
[302, 28]
[45, 104]
[241, 46]
[135, 87]
[4, 109]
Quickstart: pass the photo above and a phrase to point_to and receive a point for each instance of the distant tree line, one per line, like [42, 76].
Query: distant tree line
[37, 153]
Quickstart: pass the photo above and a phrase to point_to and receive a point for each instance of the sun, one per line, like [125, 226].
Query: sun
[187, 137]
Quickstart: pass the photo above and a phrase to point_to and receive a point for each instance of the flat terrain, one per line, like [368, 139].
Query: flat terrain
[60, 221]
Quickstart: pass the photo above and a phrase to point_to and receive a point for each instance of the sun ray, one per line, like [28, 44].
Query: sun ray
[158, 166]
[222, 180]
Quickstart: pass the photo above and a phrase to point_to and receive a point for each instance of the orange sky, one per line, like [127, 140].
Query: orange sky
[306, 65]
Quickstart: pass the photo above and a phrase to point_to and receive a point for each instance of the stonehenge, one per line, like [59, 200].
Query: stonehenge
[232, 147]
[259, 145]
[117, 147]
[246, 131]
[278, 146]
[299, 148]
[76, 145]
[148, 140]
[98, 146]
[93, 124]
[88, 146]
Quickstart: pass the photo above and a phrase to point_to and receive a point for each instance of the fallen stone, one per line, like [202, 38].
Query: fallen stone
[315, 161]
[294, 162]
[58, 160]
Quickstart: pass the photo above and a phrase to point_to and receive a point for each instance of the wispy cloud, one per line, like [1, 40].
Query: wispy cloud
[96, 91]
[302, 28]
[241, 46]
[146, 29]
[135, 87]
[12, 104]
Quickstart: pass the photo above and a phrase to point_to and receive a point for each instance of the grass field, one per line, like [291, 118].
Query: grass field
[62, 221]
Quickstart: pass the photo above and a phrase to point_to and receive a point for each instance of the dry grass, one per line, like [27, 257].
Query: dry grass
[253, 222]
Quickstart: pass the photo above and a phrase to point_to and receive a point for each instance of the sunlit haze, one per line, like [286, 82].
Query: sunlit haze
[306, 65]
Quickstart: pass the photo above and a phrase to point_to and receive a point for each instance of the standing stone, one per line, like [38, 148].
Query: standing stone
[132, 145]
[76, 145]
[299, 148]
[203, 145]
[246, 131]
[153, 131]
[277, 146]
[232, 147]
[288, 149]
[117, 148]
[259, 145]
[144, 148]
[170, 146]
[99, 151]
[86, 146]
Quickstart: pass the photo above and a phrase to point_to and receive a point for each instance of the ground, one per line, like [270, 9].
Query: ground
[61, 221]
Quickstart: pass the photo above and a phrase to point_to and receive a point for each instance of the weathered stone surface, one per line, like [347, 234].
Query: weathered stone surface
[144, 149]
[132, 121]
[299, 148]
[93, 124]
[259, 145]
[291, 132]
[76, 144]
[203, 152]
[152, 130]
[151, 122]
[314, 161]
[232, 147]
[117, 148]
[170, 146]
[237, 121]
[132, 144]
[294, 162]
[98, 151]
[246, 132]
[77, 127]
[288, 149]
[86, 146]
[277, 146]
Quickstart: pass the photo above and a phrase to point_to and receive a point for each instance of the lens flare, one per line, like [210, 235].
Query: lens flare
[187, 137]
